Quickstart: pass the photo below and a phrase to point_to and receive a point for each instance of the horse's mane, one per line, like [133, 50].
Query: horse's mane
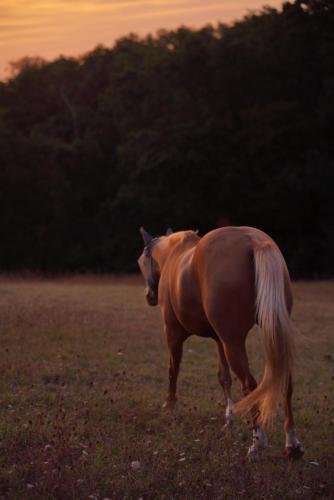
[183, 237]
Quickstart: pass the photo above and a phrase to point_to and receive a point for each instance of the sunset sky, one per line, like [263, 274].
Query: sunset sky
[48, 28]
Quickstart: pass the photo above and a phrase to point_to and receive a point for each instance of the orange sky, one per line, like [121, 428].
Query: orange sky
[48, 28]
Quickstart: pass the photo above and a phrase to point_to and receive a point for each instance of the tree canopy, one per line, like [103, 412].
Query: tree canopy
[188, 128]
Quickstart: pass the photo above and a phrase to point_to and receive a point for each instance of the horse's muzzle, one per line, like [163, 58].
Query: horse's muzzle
[152, 298]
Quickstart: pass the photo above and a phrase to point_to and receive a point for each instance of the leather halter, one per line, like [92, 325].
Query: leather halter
[153, 279]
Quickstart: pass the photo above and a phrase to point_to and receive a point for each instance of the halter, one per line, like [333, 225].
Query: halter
[152, 280]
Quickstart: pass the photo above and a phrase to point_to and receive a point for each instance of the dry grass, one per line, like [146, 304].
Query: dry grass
[83, 376]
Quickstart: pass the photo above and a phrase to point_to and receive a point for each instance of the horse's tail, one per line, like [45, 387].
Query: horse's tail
[274, 319]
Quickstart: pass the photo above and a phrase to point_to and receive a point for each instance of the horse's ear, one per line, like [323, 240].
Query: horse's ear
[146, 236]
[169, 231]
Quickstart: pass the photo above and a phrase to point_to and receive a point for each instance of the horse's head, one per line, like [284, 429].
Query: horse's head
[149, 267]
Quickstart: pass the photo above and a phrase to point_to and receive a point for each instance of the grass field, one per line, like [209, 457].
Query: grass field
[83, 377]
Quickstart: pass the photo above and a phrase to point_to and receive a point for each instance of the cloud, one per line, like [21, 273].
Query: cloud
[50, 27]
[22, 17]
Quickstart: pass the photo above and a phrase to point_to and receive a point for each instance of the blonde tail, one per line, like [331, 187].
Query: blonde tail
[273, 317]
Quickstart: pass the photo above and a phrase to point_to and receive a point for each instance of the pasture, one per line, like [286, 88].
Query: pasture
[84, 375]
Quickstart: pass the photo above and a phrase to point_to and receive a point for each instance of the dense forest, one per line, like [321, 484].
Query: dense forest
[228, 124]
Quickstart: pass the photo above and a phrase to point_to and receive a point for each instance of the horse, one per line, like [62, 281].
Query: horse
[218, 287]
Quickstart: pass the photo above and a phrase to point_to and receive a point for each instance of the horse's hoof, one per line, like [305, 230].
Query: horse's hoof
[294, 452]
[169, 405]
[229, 425]
[254, 452]
[260, 442]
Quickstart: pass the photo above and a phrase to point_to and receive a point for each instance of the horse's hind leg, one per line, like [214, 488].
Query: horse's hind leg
[175, 339]
[237, 358]
[225, 380]
[293, 448]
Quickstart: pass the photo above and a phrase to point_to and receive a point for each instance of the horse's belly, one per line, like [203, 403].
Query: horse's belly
[191, 315]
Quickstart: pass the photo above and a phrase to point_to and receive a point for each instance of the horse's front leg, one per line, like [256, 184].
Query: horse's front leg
[175, 339]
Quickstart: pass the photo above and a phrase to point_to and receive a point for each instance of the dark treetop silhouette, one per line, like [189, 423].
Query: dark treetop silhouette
[190, 128]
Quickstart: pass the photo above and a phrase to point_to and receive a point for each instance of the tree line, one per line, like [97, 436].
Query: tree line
[191, 128]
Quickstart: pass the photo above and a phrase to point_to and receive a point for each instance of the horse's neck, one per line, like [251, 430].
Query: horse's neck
[167, 247]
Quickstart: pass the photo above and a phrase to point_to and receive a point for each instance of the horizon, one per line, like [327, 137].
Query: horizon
[49, 29]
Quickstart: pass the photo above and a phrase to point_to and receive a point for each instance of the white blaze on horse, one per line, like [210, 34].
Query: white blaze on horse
[219, 286]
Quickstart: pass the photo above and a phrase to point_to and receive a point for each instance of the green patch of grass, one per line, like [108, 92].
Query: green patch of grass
[83, 377]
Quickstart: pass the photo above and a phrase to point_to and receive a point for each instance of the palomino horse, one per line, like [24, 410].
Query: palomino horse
[219, 286]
